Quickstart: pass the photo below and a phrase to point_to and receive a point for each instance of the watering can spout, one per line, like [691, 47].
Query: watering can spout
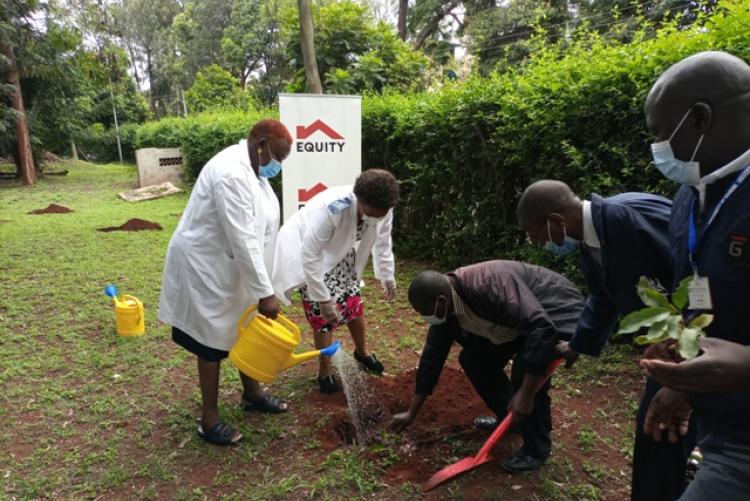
[298, 358]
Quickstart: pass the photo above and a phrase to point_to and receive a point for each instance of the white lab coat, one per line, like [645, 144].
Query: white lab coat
[318, 236]
[220, 257]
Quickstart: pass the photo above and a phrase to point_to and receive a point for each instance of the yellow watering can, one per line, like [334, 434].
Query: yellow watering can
[264, 347]
[128, 313]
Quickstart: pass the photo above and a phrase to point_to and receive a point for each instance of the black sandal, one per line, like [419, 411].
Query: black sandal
[266, 403]
[370, 364]
[220, 434]
[328, 385]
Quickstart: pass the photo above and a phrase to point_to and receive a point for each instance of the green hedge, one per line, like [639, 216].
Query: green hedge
[465, 153]
[199, 136]
[99, 144]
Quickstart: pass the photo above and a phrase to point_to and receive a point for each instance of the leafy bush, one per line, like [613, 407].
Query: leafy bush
[200, 136]
[465, 153]
[216, 89]
[99, 144]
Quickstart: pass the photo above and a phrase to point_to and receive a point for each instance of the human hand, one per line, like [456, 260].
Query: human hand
[269, 307]
[724, 366]
[669, 411]
[329, 311]
[563, 349]
[389, 289]
[521, 406]
[400, 421]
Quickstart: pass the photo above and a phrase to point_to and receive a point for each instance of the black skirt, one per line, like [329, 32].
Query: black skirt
[202, 351]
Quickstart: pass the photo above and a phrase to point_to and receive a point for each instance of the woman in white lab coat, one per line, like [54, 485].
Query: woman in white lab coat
[219, 262]
[322, 251]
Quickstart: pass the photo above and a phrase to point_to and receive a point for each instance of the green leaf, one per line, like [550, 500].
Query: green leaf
[688, 343]
[680, 295]
[675, 326]
[642, 318]
[701, 321]
[651, 296]
[657, 333]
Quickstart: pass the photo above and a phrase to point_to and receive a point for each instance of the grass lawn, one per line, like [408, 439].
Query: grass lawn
[88, 414]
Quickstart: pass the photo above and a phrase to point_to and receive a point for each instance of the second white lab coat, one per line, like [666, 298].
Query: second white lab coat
[318, 236]
[219, 259]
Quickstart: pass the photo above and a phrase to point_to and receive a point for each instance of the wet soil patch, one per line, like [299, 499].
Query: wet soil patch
[133, 225]
[52, 209]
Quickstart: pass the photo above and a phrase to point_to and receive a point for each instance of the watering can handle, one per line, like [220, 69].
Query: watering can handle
[290, 326]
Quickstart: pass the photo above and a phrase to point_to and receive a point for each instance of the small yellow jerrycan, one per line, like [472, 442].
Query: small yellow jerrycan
[264, 347]
[128, 313]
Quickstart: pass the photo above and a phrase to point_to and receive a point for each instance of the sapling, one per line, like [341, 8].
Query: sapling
[665, 319]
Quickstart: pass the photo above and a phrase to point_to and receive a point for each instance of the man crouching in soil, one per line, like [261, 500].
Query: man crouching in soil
[497, 310]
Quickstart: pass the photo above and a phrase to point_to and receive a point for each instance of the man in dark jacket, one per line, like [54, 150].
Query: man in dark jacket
[619, 239]
[699, 113]
[497, 311]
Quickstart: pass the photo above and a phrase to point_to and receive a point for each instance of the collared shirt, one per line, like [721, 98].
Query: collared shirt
[474, 324]
[590, 238]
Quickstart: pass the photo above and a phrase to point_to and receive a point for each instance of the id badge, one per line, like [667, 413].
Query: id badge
[699, 294]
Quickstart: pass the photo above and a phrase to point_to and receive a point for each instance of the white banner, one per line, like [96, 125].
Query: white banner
[327, 148]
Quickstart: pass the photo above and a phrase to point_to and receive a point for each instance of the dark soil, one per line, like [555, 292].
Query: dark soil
[666, 351]
[448, 414]
[134, 225]
[446, 421]
[52, 209]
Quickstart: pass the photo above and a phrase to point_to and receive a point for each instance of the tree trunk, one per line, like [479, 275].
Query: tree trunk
[151, 88]
[24, 157]
[433, 23]
[73, 149]
[307, 44]
[403, 7]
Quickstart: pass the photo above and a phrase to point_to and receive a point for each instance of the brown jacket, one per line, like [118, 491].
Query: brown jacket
[541, 304]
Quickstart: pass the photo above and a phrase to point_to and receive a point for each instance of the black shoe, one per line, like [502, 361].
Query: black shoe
[520, 462]
[328, 385]
[370, 364]
[488, 423]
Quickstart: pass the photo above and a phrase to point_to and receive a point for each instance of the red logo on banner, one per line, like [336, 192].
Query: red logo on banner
[305, 195]
[318, 125]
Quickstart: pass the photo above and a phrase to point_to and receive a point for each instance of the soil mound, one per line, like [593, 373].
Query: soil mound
[447, 414]
[52, 209]
[134, 225]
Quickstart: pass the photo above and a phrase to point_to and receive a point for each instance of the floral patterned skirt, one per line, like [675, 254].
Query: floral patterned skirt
[343, 286]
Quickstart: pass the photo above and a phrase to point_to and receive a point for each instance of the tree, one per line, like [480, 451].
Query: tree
[23, 155]
[499, 36]
[307, 45]
[15, 24]
[356, 54]
[216, 88]
[198, 33]
[146, 26]
[403, 8]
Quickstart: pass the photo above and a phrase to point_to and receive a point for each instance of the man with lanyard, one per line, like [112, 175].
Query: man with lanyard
[619, 239]
[497, 311]
[699, 112]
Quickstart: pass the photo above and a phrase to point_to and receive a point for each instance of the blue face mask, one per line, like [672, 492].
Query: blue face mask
[672, 168]
[569, 244]
[271, 169]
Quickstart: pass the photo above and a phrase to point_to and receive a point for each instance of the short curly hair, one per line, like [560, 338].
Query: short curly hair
[377, 188]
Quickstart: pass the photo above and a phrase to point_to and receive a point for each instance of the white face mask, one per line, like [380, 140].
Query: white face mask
[672, 168]
[434, 319]
[371, 220]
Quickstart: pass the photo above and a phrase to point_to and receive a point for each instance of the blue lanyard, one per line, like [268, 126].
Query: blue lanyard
[694, 238]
